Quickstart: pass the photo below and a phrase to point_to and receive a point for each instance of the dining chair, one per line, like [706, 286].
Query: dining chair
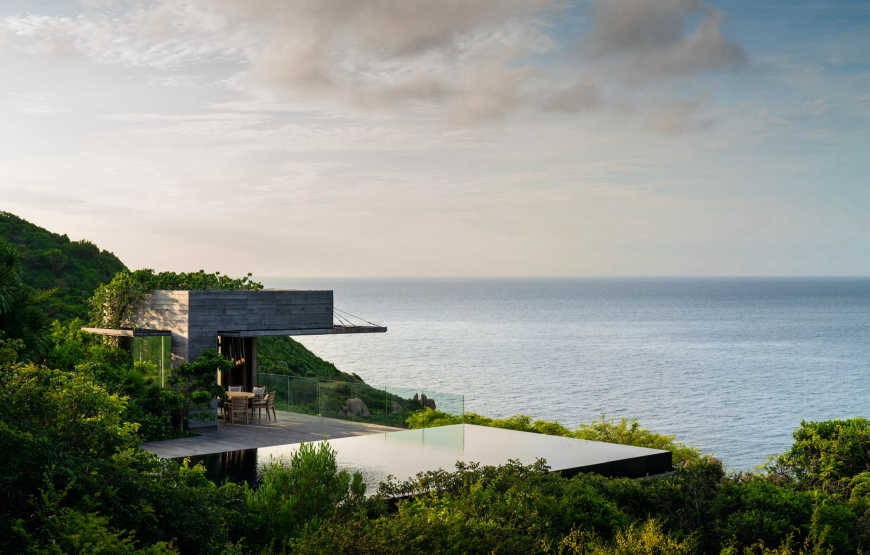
[267, 403]
[235, 406]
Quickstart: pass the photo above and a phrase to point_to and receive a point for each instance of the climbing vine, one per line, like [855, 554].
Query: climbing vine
[114, 304]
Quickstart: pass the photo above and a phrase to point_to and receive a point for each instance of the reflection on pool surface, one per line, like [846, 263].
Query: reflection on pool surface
[403, 454]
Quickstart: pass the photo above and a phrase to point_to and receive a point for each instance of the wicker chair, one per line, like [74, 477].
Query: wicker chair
[267, 403]
[235, 406]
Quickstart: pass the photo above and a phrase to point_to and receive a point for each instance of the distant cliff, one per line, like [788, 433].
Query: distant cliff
[74, 268]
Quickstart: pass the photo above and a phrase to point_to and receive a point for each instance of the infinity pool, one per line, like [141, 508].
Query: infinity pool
[403, 454]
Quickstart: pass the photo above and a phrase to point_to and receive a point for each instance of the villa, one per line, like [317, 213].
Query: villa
[173, 327]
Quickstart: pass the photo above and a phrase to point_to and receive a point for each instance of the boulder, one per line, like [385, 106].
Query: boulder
[355, 407]
[426, 402]
[395, 407]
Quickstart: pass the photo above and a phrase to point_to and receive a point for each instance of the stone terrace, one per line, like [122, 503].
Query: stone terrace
[289, 427]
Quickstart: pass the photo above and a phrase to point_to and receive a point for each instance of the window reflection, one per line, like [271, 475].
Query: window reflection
[153, 356]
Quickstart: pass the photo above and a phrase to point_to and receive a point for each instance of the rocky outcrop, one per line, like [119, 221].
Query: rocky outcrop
[395, 407]
[426, 402]
[356, 407]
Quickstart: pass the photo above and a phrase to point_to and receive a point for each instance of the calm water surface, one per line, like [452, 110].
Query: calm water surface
[730, 364]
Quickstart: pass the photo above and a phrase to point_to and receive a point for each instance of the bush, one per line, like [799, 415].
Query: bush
[647, 538]
[147, 405]
[507, 509]
[832, 456]
[300, 495]
[62, 431]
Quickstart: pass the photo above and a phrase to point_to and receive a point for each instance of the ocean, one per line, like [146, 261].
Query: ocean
[730, 364]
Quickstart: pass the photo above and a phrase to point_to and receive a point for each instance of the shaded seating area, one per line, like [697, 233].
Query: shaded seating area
[240, 401]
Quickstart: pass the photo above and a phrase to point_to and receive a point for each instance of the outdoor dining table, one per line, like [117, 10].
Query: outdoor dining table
[244, 394]
[247, 395]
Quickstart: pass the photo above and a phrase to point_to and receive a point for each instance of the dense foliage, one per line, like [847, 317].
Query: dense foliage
[113, 304]
[51, 261]
[72, 480]
[287, 357]
[611, 430]
[831, 456]
[20, 315]
[147, 404]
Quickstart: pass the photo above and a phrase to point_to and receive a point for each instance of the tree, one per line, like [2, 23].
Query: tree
[20, 315]
[193, 385]
[114, 304]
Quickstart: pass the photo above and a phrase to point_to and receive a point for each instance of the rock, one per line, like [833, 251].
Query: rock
[355, 407]
[395, 407]
[426, 402]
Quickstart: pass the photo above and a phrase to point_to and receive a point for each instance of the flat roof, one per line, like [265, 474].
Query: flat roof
[314, 331]
[403, 454]
[128, 332]
[245, 333]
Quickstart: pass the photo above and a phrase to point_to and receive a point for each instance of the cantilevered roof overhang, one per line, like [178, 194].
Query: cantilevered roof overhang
[195, 319]
[129, 332]
[316, 331]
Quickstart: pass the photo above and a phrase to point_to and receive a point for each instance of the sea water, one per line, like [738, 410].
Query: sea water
[730, 364]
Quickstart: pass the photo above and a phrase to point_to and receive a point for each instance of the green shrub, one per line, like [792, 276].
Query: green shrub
[301, 494]
[647, 538]
[507, 509]
[832, 456]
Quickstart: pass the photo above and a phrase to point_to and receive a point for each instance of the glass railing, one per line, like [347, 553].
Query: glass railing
[358, 402]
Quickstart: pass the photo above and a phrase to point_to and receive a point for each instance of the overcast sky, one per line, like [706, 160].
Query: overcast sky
[444, 137]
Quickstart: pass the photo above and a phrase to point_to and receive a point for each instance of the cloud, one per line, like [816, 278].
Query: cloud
[638, 47]
[44, 110]
[464, 61]
[460, 55]
[164, 37]
[818, 107]
[677, 115]
[654, 39]
[583, 95]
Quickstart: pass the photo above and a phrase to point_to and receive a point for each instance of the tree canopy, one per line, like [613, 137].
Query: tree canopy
[74, 269]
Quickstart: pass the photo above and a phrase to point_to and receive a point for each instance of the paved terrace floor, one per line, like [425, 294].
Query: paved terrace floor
[289, 427]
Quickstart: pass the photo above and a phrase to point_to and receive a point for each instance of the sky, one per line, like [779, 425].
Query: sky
[446, 137]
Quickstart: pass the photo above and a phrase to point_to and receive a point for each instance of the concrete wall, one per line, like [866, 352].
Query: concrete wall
[196, 317]
[168, 310]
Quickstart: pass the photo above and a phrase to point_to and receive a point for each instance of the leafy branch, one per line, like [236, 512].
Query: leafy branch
[113, 305]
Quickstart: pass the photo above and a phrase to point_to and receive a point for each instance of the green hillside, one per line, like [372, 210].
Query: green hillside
[284, 355]
[77, 268]
[51, 261]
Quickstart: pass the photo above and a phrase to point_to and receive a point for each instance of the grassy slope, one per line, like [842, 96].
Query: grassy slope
[283, 355]
[75, 268]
